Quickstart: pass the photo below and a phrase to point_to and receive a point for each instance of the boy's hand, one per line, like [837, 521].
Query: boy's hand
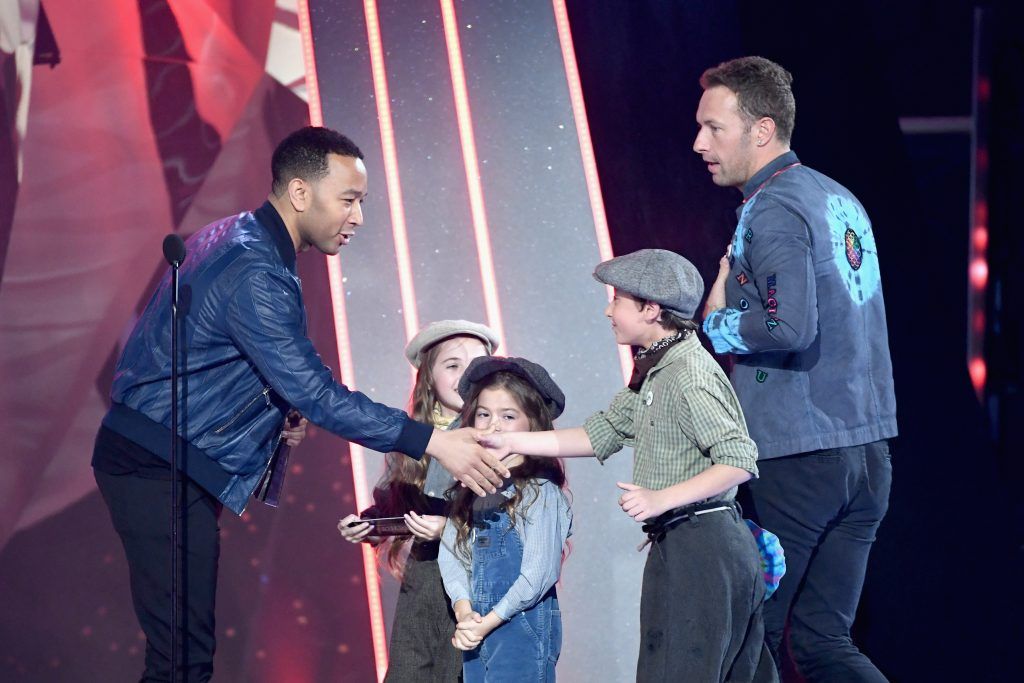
[641, 504]
[425, 527]
[494, 442]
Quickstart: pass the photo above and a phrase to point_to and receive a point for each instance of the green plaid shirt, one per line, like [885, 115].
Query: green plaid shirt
[685, 419]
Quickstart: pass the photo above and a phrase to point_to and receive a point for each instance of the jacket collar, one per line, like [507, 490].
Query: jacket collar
[772, 167]
[268, 217]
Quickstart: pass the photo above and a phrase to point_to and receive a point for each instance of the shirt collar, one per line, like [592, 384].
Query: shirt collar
[271, 220]
[759, 178]
[676, 351]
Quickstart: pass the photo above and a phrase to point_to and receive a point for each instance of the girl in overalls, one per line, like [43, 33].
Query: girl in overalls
[420, 646]
[501, 555]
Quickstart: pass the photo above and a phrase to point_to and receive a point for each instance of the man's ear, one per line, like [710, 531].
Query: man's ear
[764, 130]
[299, 194]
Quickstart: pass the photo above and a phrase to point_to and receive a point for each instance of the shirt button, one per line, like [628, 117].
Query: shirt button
[652, 423]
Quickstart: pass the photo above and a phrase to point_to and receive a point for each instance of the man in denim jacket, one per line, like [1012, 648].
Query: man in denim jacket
[248, 364]
[798, 300]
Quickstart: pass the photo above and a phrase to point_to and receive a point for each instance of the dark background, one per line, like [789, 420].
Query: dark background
[942, 600]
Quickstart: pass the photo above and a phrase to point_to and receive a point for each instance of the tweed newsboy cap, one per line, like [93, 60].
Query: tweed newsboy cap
[443, 329]
[657, 275]
[536, 375]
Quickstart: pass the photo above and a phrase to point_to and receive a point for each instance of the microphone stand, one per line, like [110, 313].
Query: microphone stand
[174, 252]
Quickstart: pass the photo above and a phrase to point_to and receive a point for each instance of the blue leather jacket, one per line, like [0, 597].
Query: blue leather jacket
[247, 359]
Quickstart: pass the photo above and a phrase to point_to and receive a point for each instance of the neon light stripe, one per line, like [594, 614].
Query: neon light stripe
[469, 159]
[978, 270]
[356, 453]
[364, 498]
[579, 113]
[316, 116]
[387, 140]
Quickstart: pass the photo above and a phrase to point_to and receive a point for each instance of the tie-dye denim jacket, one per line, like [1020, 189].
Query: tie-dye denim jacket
[804, 315]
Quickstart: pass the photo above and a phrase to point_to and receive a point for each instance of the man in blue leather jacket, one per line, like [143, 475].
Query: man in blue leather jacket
[798, 301]
[249, 363]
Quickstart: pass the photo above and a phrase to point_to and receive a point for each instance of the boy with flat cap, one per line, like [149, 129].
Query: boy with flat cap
[700, 607]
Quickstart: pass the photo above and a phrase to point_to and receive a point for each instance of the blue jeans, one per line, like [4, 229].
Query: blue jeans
[526, 647]
[825, 507]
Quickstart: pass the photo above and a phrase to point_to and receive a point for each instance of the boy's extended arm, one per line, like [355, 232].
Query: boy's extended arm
[557, 443]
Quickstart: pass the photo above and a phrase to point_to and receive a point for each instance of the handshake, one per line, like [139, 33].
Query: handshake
[477, 458]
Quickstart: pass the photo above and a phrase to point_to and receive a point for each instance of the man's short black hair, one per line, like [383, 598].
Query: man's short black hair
[303, 154]
[762, 88]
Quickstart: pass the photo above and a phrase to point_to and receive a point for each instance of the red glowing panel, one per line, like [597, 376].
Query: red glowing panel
[979, 238]
[984, 88]
[978, 322]
[978, 372]
[981, 212]
[979, 273]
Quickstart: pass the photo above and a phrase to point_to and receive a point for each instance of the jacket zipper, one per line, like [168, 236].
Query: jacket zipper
[266, 397]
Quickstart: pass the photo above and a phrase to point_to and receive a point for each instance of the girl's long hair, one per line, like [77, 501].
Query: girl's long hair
[400, 489]
[525, 475]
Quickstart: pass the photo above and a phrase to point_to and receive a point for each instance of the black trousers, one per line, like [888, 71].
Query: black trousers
[700, 607]
[140, 510]
[825, 507]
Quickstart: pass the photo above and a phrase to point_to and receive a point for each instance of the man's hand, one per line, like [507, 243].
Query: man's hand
[425, 527]
[716, 295]
[460, 454]
[294, 428]
[642, 504]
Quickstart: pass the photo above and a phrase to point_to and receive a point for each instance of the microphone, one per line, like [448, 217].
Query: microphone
[174, 249]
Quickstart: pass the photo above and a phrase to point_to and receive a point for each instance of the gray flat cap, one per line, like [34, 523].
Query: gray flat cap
[443, 329]
[657, 275]
[536, 375]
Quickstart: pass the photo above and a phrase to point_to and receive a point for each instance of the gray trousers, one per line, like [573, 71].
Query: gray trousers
[421, 649]
[700, 608]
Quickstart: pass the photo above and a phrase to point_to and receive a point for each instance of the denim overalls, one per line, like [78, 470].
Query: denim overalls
[526, 647]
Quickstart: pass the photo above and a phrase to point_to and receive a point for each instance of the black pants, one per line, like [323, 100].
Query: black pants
[140, 510]
[700, 608]
[825, 507]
